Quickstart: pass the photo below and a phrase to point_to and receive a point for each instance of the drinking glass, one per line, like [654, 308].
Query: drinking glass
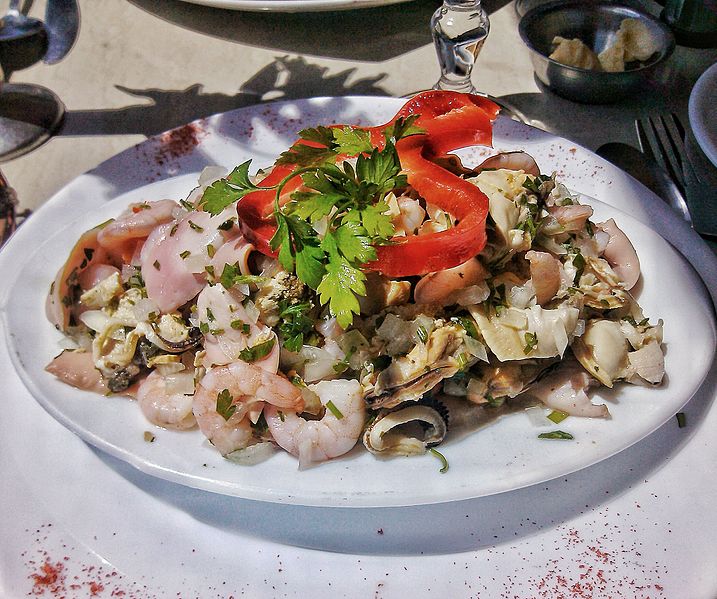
[459, 29]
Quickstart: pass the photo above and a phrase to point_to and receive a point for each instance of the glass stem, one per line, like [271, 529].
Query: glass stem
[459, 29]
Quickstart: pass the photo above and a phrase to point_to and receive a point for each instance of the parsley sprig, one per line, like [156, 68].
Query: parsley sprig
[350, 197]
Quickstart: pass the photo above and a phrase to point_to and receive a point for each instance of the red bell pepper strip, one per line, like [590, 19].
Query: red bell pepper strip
[451, 120]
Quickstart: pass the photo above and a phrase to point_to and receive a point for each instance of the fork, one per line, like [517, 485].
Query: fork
[662, 137]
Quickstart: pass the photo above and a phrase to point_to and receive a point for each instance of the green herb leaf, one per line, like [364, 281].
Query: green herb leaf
[225, 192]
[531, 342]
[339, 287]
[352, 141]
[556, 435]
[403, 127]
[440, 456]
[331, 407]
[258, 351]
[225, 405]
[295, 323]
[557, 416]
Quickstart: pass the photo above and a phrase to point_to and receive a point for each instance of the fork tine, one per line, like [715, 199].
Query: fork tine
[668, 147]
[651, 145]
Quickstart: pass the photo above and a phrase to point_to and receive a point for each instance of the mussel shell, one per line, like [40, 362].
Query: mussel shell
[412, 390]
[391, 433]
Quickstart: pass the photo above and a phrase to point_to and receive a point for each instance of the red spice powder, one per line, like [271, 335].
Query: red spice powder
[179, 142]
[49, 579]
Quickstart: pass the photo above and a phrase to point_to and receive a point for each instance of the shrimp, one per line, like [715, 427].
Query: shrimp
[319, 440]
[165, 407]
[545, 275]
[235, 389]
[621, 254]
[441, 287]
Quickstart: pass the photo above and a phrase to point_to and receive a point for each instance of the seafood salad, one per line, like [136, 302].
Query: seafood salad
[367, 288]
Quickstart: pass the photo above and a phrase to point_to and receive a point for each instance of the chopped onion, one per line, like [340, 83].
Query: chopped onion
[143, 308]
[537, 416]
[318, 364]
[520, 296]
[96, 320]
[252, 311]
[254, 454]
[329, 328]
[396, 334]
[474, 294]
[475, 348]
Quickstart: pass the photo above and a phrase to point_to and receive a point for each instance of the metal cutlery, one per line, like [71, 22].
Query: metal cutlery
[662, 138]
[62, 21]
[647, 172]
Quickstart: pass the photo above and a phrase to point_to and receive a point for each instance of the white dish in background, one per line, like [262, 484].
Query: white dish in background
[703, 113]
[504, 456]
[293, 5]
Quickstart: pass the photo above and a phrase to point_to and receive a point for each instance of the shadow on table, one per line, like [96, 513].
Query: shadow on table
[370, 34]
[440, 528]
[285, 78]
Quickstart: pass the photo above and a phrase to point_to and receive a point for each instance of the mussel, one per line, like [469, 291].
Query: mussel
[408, 429]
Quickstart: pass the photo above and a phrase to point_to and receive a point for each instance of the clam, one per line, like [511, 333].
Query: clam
[602, 350]
[407, 430]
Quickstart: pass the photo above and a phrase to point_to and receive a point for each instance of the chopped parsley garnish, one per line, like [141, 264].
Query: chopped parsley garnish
[533, 184]
[231, 275]
[295, 324]
[156, 264]
[351, 199]
[422, 334]
[556, 435]
[440, 456]
[331, 407]
[579, 264]
[468, 325]
[225, 405]
[531, 342]
[557, 416]
[681, 419]
[258, 351]
[240, 325]
[195, 226]
[183, 255]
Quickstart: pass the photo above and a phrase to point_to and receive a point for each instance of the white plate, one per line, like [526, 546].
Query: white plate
[293, 5]
[504, 456]
[703, 112]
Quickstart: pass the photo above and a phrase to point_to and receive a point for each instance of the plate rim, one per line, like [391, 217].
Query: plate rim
[294, 6]
[700, 128]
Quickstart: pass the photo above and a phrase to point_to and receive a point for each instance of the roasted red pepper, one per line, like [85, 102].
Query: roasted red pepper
[451, 120]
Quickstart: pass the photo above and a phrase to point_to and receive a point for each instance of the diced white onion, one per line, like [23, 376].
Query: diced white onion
[318, 364]
[474, 294]
[537, 416]
[143, 308]
[252, 311]
[95, 320]
[476, 348]
[253, 454]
